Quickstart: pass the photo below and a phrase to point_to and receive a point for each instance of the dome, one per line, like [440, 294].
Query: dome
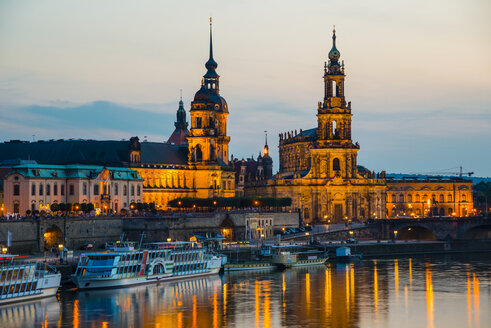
[334, 54]
[210, 97]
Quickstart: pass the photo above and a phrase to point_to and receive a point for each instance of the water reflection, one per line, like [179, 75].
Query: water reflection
[413, 292]
[43, 312]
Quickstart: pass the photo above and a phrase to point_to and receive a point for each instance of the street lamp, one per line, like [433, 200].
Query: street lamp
[395, 234]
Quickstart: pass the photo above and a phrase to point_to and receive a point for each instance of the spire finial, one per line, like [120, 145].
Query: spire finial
[266, 137]
[180, 91]
[334, 29]
[211, 42]
[266, 148]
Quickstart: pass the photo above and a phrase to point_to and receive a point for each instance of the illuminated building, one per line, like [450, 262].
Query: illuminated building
[199, 167]
[250, 169]
[32, 186]
[430, 196]
[318, 167]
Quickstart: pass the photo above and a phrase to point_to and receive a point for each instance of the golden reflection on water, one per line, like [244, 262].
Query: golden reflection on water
[475, 285]
[375, 287]
[429, 297]
[396, 279]
[360, 294]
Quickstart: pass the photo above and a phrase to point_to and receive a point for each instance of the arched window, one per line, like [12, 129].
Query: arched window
[409, 198]
[449, 198]
[334, 128]
[62, 190]
[199, 154]
[425, 196]
[138, 191]
[335, 164]
[125, 190]
[417, 197]
[132, 190]
[16, 191]
[464, 198]
[96, 189]
[41, 189]
[55, 189]
[33, 190]
[442, 200]
[48, 189]
[116, 189]
[401, 198]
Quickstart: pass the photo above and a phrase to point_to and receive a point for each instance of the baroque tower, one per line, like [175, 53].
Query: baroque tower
[334, 149]
[208, 140]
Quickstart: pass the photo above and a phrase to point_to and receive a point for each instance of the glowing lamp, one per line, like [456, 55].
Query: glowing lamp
[4, 250]
[169, 240]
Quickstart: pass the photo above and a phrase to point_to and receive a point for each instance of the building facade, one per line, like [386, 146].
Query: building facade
[318, 167]
[36, 187]
[430, 196]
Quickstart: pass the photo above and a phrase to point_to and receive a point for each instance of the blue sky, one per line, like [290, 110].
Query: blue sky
[418, 73]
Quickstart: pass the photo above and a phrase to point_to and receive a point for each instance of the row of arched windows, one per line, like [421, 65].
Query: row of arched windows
[423, 198]
[41, 189]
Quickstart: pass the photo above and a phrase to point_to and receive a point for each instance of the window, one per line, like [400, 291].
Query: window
[16, 190]
[394, 198]
[401, 198]
[425, 197]
[335, 164]
[62, 190]
[198, 123]
[449, 198]
[417, 197]
[96, 189]
[48, 189]
[132, 190]
[442, 200]
[138, 190]
[33, 190]
[55, 189]
[84, 188]
[41, 189]
[464, 198]
[72, 189]
[125, 191]
[116, 189]
[409, 198]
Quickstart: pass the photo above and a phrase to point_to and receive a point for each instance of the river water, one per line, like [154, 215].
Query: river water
[438, 291]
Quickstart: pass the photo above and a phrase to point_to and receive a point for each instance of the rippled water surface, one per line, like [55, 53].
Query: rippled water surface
[450, 291]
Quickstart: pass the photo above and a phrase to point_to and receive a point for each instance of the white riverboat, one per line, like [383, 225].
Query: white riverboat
[23, 281]
[155, 262]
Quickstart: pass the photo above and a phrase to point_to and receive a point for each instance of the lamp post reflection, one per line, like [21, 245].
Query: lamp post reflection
[429, 297]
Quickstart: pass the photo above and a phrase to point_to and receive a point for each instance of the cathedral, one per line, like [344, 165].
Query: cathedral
[318, 167]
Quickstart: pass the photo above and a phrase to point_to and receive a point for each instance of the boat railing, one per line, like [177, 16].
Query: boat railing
[19, 279]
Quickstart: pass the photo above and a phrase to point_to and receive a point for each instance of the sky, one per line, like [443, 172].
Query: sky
[418, 73]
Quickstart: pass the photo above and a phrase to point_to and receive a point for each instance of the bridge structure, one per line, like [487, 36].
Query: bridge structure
[443, 229]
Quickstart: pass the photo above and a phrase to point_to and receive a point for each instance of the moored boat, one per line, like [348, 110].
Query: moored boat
[249, 266]
[155, 262]
[286, 256]
[23, 281]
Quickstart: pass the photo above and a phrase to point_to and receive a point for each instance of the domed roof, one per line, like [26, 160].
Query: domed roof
[210, 97]
[334, 54]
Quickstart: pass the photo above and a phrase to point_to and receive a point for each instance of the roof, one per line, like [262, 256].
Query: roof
[178, 137]
[163, 153]
[72, 171]
[90, 152]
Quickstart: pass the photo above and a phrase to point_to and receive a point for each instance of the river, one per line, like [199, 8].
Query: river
[438, 291]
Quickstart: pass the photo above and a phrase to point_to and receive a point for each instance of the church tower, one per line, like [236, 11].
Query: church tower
[334, 148]
[181, 132]
[208, 140]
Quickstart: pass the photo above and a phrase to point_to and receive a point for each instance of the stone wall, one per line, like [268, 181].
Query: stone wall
[28, 236]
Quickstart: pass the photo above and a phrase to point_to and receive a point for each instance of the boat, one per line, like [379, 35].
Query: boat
[288, 256]
[344, 254]
[249, 266]
[23, 281]
[153, 263]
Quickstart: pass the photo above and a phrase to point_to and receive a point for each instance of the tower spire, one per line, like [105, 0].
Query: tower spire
[211, 39]
[266, 148]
